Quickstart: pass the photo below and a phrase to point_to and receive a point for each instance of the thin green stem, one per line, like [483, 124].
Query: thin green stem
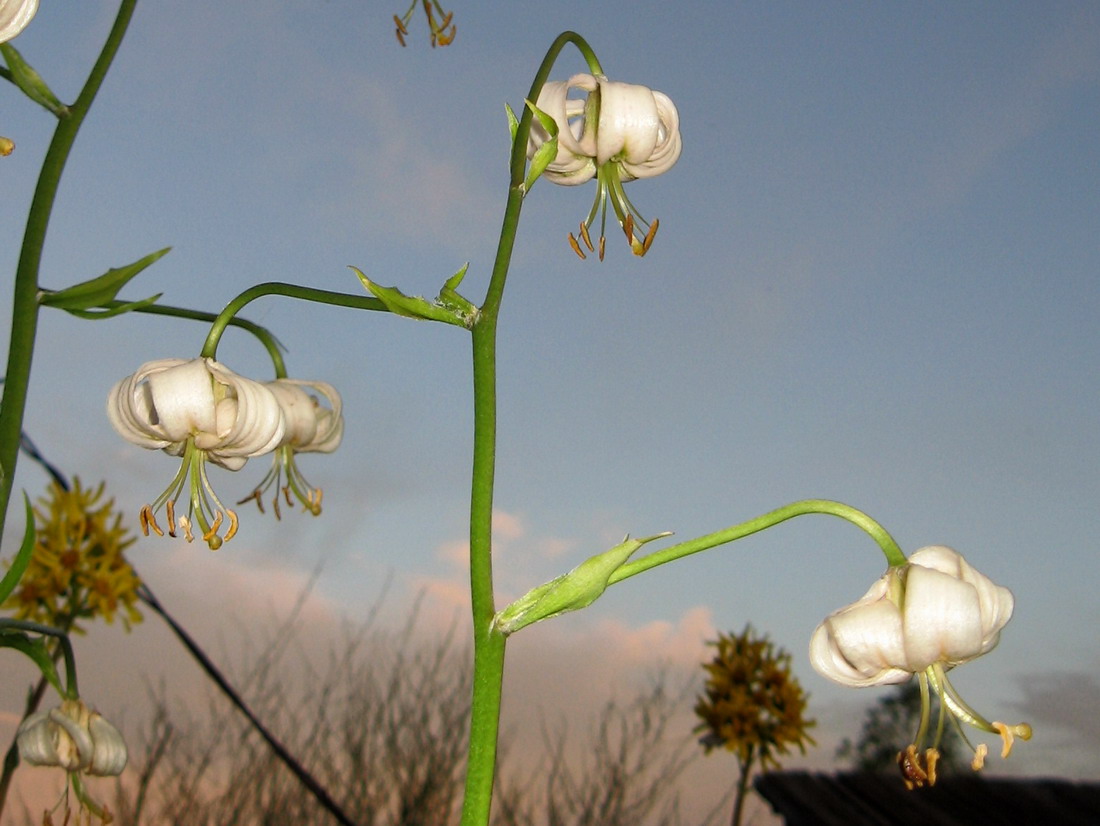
[890, 548]
[24, 325]
[745, 772]
[226, 316]
[489, 644]
[266, 338]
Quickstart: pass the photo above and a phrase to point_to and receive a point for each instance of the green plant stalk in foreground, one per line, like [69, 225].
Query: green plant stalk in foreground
[489, 643]
[24, 326]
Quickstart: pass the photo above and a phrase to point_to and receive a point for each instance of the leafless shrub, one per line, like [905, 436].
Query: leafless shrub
[379, 719]
[381, 724]
[623, 774]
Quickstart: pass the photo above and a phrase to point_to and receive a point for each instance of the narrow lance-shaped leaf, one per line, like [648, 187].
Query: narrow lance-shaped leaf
[546, 153]
[22, 557]
[97, 292]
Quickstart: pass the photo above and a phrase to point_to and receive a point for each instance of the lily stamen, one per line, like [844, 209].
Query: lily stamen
[979, 757]
[587, 238]
[233, 525]
[185, 524]
[649, 236]
[148, 521]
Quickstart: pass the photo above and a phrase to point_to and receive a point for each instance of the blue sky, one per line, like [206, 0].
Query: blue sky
[876, 280]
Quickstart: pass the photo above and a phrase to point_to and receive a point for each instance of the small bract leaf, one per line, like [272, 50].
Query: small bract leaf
[513, 122]
[410, 306]
[30, 82]
[547, 152]
[569, 592]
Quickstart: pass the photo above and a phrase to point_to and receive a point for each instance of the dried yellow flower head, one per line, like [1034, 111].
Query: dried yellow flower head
[752, 704]
[78, 570]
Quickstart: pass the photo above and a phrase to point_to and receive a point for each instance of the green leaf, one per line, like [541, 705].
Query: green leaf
[36, 649]
[22, 557]
[102, 290]
[30, 82]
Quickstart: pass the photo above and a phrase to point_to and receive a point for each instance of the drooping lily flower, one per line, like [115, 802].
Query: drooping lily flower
[922, 618]
[311, 427]
[73, 737]
[618, 132]
[200, 410]
[15, 15]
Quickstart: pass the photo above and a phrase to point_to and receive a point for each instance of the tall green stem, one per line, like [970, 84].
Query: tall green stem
[24, 326]
[489, 643]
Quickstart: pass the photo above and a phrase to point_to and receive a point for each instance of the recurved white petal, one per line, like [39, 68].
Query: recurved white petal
[15, 15]
[310, 425]
[130, 407]
[36, 741]
[249, 419]
[573, 164]
[109, 753]
[666, 150]
[861, 644]
[942, 619]
[72, 739]
[995, 601]
[628, 123]
[178, 400]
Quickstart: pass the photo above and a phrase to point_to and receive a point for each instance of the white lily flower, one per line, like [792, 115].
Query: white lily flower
[924, 618]
[74, 738]
[200, 410]
[619, 132]
[312, 426]
[15, 15]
